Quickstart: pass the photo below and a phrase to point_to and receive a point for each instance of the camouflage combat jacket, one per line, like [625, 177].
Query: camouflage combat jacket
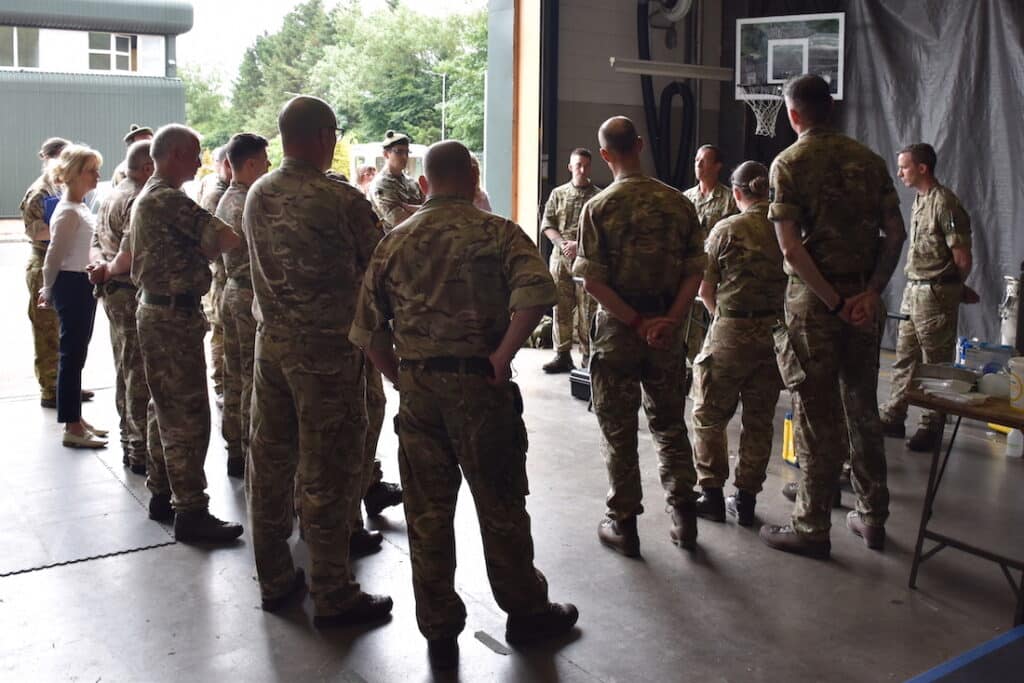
[641, 238]
[938, 223]
[167, 234]
[838, 193]
[563, 208]
[712, 207]
[112, 222]
[310, 240]
[229, 210]
[745, 262]
[388, 192]
[449, 278]
[32, 206]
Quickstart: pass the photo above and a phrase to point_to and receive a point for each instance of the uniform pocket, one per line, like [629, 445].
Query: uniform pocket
[517, 401]
[790, 367]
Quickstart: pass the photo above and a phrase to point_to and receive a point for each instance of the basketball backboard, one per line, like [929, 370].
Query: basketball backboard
[770, 50]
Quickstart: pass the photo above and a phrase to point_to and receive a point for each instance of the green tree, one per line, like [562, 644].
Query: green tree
[277, 65]
[206, 109]
[378, 69]
[387, 74]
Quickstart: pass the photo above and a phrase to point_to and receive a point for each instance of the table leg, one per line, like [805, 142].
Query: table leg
[1018, 615]
[929, 498]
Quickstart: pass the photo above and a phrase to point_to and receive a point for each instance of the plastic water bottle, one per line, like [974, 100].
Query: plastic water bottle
[1015, 444]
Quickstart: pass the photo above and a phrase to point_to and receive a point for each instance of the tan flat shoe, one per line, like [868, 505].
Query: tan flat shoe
[102, 433]
[87, 440]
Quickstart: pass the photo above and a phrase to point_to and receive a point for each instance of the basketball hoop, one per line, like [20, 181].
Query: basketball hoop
[765, 101]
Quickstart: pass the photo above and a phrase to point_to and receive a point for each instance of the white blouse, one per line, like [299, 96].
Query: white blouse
[71, 229]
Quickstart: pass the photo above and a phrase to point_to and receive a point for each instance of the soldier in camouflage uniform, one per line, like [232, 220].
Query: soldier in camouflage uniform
[45, 327]
[170, 243]
[395, 196]
[561, 225]
[831, 198]
[211, 189]
[136, 133]
[131, 393]
[459, 318]
[247, 155]
[642, 257]
[310, 238]
[714, 202]
[938, 263]
[743, 287]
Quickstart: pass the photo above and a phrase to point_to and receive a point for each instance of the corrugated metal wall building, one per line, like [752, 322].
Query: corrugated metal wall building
[84, 70]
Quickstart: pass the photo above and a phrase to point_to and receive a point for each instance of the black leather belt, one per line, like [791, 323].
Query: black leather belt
[741, 313]
[839, 278]
[944, 280]
[468, 366]
[648, 304]
[111, 286]
[174, 301]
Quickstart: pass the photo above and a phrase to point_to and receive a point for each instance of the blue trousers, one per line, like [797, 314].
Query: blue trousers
[76, 308]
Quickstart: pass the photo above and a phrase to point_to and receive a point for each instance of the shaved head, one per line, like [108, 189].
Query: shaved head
[446, 162]
[302, 117]
[171, 137]
[138, 155]
[618, 134]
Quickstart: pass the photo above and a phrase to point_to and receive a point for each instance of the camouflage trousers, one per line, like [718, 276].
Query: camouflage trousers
[45, 327]
[625, 373]
[697, 330]
[737, 363]
[171, 340]
[308, 437]
[212, 304]
[452, 425]
[239, 327]
[131, 393]
[832, 368]
[928, 337]
[376, 403]
[574, 311]
[156, 469]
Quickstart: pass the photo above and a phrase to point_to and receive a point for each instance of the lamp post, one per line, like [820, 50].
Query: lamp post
[444, 98]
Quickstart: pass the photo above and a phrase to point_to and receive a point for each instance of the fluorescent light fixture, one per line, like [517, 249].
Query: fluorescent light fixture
[670, 69]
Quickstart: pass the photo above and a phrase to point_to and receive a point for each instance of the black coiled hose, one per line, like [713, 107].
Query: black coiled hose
[659, 115]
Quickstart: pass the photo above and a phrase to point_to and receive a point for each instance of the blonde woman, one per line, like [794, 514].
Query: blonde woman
[66, 287]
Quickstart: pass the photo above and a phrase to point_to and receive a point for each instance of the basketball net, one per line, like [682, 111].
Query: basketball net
[766, 110]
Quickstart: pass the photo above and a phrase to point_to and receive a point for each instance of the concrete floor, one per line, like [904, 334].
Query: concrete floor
[733, 611]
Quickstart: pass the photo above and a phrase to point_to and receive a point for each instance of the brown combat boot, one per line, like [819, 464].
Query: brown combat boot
[924, 439]
[562, 362]
[684, 524]
[620, 535]
[787, 539]
[557, 619]
[367, 609]
[874, 536]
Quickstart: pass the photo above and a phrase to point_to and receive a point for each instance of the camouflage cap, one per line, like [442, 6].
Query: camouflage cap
[134, 131]
[392, 138]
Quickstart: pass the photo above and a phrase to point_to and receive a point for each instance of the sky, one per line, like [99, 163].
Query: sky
[223, 29]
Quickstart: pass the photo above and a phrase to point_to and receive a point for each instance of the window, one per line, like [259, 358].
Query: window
[19, 47]
[113, 52]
